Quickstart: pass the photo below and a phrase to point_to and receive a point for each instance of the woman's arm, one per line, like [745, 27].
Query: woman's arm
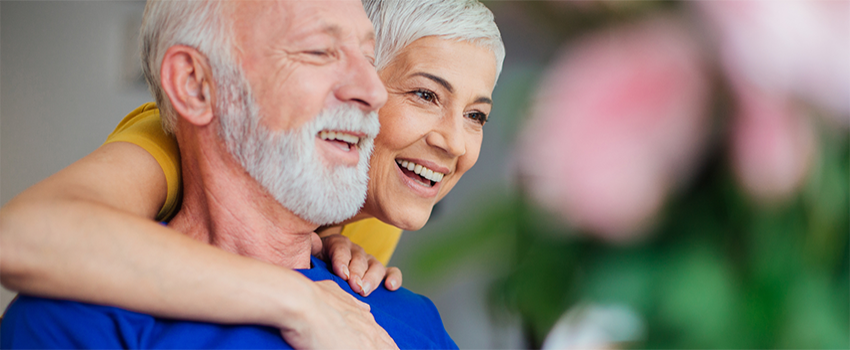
[85, 234]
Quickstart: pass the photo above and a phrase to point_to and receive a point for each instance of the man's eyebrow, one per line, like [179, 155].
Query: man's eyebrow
[437, 80]
[336, 30]
[370, 36]
[314, 30]
[331, 29]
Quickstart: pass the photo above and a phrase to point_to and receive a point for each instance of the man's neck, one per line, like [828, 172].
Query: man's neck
[337, 229]
[225, 207]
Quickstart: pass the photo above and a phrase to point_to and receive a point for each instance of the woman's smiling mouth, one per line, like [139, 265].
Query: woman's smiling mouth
[420, 174]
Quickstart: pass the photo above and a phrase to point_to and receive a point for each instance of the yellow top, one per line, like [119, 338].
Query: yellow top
[143, 127]
[376, 237]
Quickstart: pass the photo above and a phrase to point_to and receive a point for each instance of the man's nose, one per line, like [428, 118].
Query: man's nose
[362, 85]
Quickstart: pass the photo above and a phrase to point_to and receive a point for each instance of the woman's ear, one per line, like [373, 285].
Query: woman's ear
[186, 79]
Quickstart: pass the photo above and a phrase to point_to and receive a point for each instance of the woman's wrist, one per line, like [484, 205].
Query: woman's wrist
[293, 298]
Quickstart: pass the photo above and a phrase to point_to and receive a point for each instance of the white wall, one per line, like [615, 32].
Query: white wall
[62, 86]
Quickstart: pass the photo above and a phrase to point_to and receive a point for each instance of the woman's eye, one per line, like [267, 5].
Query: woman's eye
[426, 95]
[479, 117]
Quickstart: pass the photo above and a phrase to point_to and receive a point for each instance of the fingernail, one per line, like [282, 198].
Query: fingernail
[393, 284]
[345, 272]
[366, 287]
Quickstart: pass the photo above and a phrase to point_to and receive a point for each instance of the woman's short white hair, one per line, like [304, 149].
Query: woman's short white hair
[197, 24]
[399, 23]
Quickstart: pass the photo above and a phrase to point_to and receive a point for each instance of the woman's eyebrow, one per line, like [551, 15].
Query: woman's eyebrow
[448, 86]
[483, 99]
[437, 80]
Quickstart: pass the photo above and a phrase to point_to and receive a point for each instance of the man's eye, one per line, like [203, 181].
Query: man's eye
[479, 117]
[425, 95]
[320, 53]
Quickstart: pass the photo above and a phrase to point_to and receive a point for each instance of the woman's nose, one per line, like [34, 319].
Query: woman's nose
[448, 136]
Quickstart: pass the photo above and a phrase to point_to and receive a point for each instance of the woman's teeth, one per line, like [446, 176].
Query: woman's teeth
[340, 136]
[421, 170]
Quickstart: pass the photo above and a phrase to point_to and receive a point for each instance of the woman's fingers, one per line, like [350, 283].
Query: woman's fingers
[393, 281]
[363, 272]
[338, 248]
[359, 265]
[374, 275]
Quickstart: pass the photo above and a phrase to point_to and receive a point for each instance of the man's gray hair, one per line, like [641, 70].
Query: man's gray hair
[204, 26]
[399, 23]
[198, 24]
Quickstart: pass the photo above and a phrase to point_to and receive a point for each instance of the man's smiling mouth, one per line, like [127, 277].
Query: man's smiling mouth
[343, 140]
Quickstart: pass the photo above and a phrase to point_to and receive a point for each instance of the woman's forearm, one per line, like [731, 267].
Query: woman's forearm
[121, 259]
[86, 233]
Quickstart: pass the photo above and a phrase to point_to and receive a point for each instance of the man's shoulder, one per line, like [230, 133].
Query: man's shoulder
[32, 322]
[411, 319]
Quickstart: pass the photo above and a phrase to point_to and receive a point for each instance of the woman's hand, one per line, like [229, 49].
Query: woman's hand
[350, 262]
[337, 320]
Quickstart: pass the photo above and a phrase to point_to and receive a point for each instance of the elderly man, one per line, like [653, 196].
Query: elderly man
[247, 94]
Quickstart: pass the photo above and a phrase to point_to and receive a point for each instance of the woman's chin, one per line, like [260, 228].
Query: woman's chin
[413, 227]
[408, 221]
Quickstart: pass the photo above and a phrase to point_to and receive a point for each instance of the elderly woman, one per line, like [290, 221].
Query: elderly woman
[439, 61]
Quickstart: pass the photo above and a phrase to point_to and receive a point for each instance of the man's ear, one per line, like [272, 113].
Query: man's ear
[187, 80]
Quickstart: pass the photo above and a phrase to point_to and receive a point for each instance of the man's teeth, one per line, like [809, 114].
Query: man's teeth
[421, 170]
[341, 136]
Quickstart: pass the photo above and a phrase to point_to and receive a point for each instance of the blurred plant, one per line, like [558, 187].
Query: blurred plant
[700, 182]
[595, 327]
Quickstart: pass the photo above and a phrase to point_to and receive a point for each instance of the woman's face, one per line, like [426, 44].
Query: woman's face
[439, 98]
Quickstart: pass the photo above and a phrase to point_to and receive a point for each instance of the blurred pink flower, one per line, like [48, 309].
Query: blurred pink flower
[787, 47]
[619, 119]
[772, 145]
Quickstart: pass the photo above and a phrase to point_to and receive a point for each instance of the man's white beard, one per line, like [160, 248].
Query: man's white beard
[287, 164]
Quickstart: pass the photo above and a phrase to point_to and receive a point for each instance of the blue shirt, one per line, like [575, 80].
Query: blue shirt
[30, 322]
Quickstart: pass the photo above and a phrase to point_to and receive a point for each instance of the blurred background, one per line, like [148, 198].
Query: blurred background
[655, 174]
